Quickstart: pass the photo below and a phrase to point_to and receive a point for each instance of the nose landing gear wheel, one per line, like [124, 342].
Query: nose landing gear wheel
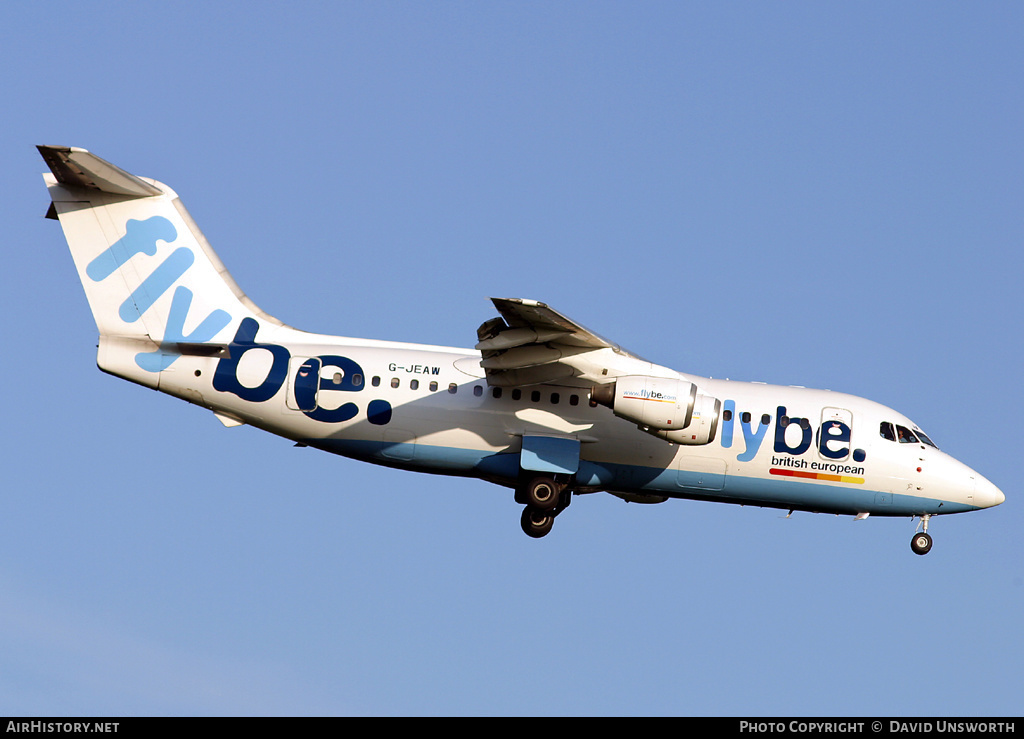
[921, 543]
[536, 523]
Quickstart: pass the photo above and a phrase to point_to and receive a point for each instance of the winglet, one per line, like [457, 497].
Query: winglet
[74, 166]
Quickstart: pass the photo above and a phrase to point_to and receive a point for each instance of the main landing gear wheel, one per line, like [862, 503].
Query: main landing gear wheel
[921, 543]
[544, 498]
[542, 493]
[536, 523]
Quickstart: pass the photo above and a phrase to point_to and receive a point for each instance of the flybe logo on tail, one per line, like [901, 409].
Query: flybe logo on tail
[141, 237]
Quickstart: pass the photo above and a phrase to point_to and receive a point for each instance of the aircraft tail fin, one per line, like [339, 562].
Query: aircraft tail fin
[155, 286]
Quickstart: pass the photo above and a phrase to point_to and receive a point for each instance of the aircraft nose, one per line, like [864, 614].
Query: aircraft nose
[986, 494]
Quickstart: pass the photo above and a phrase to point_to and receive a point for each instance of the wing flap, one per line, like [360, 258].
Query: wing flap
[513, 337]
[543, 374]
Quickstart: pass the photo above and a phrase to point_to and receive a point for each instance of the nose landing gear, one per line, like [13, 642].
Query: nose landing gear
[921, 543]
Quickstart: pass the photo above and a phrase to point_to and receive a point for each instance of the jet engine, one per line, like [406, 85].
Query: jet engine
[666, 407]
[703, 425]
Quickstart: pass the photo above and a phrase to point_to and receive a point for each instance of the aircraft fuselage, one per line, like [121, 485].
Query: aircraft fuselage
[430, 409]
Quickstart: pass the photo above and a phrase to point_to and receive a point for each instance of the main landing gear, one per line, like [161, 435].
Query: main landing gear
[544, 498]
[922, 541]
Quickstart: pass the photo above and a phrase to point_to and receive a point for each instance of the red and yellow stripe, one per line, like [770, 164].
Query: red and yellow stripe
[817, 476]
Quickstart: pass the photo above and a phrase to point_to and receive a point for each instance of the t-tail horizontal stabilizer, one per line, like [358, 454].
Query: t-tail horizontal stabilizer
[78, 167]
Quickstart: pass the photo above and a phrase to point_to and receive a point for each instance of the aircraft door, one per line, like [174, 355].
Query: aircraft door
[835, 434]
[305, 383]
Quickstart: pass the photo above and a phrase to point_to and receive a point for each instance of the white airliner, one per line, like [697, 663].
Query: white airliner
[541, 405]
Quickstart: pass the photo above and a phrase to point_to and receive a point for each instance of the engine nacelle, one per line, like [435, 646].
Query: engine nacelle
[658, 403]
[703, 426]
[668, 408]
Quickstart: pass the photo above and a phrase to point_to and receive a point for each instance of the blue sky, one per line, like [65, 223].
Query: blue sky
[817, 194]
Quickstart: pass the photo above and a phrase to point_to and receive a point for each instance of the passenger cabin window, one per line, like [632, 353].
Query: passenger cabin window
[517, 394]
[394, 382]
[414, 384]
[375, 381]
[496, 393]
[478, 390]
[433, 387]
[453, 388]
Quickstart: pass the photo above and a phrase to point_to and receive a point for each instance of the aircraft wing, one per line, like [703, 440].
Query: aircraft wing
[532, 343]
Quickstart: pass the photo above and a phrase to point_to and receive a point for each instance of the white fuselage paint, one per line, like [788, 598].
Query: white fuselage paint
[451, 433]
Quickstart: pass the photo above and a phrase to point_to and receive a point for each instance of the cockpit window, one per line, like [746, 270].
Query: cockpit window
[905, 435]
[894, 432]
